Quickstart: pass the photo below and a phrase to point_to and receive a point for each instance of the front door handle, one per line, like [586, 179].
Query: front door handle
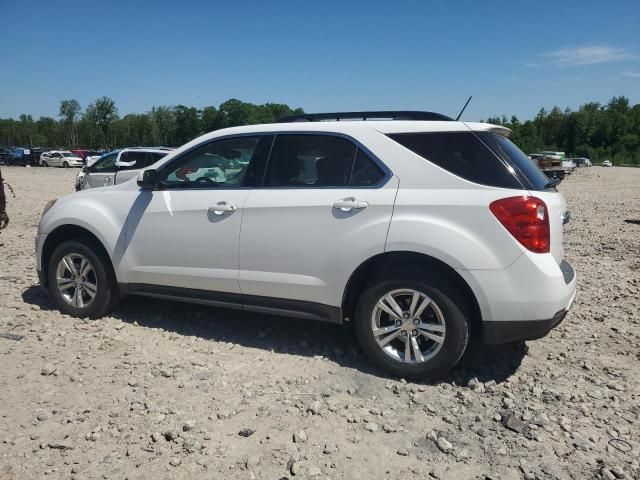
[347, 204]
[221, 207]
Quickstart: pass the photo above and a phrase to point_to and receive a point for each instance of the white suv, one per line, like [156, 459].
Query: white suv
[118, 167]
[423, 231]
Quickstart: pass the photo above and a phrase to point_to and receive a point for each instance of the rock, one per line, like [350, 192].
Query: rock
[300, 437]
[513, 423]
[133, 382]
[618, 472]
[253, 461]
[403, 452]
[188, 425]
[175, 461]
[166, 373]
[156, 437]
[190, 445]
[171, 435]
[246, 432]
[313, 471]
[371, 427]
[444, 445]
[433, 435]
[48, 369]
[330, 448]
[223, 414]
[314, 407]
[202, 375]
[63, 445]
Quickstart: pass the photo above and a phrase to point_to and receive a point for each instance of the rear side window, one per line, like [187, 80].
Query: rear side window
[157, 156]
[365, 172]
[463, 154]
[532, 177]
[319, 161]
[134, 160]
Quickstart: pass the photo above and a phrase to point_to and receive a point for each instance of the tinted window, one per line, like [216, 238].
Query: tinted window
[134, 160]
[157, 156]
[310, 160]
[463, 154]
[527, 170]
[365, 172]
[106, 163]
[230, 162]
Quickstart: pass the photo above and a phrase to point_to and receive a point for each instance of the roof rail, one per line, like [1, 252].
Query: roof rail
[376, 115]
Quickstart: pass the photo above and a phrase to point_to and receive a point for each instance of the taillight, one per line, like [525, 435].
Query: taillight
[527, 219]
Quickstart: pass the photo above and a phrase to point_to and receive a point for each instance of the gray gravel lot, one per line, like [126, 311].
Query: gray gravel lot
[166, 390]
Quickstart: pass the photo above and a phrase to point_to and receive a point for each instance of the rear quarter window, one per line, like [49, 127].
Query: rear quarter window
[463, 154]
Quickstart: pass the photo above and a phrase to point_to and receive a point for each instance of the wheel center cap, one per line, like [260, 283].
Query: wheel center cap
[405, 315]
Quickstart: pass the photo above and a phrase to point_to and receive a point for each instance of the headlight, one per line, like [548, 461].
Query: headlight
[49, 204]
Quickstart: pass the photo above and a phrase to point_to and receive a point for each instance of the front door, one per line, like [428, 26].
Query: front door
[324, 208]
[101, 173]
[185, 234]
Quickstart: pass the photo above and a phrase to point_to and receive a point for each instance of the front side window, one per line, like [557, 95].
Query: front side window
[230, 162]
[105, 164]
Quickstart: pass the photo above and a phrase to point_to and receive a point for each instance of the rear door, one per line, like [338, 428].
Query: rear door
[324, 207]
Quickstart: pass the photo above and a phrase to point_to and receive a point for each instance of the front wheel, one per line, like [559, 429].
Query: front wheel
[45, 164]
[412, 327]
[81, 281]
[65, 164]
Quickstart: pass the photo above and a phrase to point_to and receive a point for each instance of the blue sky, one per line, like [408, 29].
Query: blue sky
[513, 57]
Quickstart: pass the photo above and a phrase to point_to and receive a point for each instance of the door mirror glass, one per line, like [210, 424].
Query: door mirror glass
[148, 180]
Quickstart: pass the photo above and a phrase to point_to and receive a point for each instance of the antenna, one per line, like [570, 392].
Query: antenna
[463, 108]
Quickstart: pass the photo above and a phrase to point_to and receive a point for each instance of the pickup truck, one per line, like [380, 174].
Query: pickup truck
[118, 166]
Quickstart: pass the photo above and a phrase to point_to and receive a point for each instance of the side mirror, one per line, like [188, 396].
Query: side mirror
[148, 179]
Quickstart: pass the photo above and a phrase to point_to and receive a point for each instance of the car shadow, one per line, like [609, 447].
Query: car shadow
[289, 335]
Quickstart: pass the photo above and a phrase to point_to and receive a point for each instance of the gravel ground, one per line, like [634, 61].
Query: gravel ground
[166, 390]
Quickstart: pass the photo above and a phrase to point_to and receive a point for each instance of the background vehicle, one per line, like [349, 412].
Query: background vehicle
[551, 166]
[581, 162]
[423, 231]
[118, 167]
[60, 158]
[607, 163]
[568, 166]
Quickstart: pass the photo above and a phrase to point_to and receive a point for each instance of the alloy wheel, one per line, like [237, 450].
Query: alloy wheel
[408, 326]
[76, 280]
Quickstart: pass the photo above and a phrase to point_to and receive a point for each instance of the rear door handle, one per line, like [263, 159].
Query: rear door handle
[350, 203]
[221, 207]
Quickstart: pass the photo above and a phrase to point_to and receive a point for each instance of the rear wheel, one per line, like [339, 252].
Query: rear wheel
[81, 281]
[412, 327]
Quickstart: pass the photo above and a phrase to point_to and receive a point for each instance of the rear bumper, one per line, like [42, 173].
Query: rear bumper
[512, 331]
[524, 301]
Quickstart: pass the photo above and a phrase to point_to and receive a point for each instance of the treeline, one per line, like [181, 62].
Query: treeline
[100, 126]
[599, 132]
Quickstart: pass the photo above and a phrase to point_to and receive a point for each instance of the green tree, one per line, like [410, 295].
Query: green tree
[69, 112]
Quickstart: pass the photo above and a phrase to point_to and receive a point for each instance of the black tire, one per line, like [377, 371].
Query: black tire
[44, 163]
[106, 296]
[450, 304]
[65, 164]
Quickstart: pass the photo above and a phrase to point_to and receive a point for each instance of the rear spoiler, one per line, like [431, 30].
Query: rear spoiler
[504, 131]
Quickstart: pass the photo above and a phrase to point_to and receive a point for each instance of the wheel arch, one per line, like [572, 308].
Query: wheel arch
[377, 264]
[71, 232]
